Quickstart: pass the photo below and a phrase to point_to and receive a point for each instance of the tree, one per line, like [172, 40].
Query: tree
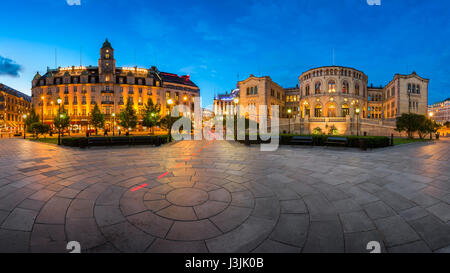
[97, 119]
[333, 130]
[62, 120]
[428, 126]
[167, 123]
[31, 118]
[128, 117]
[410, 123]
[151, 115]
[317, 131]
[39, 128]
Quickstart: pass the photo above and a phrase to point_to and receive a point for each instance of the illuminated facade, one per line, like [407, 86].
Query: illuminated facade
[13, 105]
[335, 96]
[440, 112]
[110, 87]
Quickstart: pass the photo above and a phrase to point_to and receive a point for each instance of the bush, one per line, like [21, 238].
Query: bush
[83, 141]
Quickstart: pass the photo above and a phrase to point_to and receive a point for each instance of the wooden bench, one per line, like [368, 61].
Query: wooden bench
[302, 140]
[120, 140]
[97, 141]
[337, 141]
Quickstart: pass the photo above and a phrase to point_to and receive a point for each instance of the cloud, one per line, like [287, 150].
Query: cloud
[9, 67]
[73, 2]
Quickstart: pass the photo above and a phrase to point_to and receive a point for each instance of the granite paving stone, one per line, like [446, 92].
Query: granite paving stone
[227, 198]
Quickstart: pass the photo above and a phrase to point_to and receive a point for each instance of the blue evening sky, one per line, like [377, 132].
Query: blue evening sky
[215, 41]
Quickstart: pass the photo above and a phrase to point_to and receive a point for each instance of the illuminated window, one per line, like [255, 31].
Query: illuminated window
[331, 86]
[317, 88]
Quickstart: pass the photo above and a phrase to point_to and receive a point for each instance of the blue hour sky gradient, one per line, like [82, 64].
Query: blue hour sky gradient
[218, 42]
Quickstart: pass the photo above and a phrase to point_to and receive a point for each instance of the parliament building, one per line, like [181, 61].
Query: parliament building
[110, 87]
[333, 97]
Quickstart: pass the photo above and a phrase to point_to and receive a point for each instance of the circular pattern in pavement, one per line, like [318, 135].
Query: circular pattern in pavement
[186, 197]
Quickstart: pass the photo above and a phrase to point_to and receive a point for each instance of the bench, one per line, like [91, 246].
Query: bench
[120, 141]
[337, 141]
[302, 140]
[143, 140]
[97, 141]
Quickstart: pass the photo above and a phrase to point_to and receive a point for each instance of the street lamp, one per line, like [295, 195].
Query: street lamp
[170, 102]
[236, 101]
[357, 121]
[42, 109]
[60, 116]
[24, 125]
[289, 116]
[114, 122]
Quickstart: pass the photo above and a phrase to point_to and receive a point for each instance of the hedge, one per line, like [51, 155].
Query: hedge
[320, 140]
[82, 141]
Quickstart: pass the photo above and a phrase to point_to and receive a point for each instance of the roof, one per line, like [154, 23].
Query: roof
[333, 66]
[174, 78]
[14, 92]
[106, 44]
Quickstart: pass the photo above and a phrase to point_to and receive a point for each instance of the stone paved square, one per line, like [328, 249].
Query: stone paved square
[226, 198]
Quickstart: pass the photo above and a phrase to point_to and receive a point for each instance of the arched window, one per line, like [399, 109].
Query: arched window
[256, 90]
[307, 90]
[345, 87]
[345, 110]
[418, 89]
[331, 86]
[414, 88]
[356, 89]
[318, 111]
[251, 91]
[307, 110]
[331, 110]
[317, 88]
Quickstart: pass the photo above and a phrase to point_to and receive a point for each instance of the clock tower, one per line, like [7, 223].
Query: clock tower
[107, 63]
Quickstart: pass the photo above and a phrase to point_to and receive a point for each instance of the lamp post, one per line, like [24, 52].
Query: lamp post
[236, 102]
[42, 109]
[289, 117]
[114, 122]
[170, 102]
[24, 125]
[60, 116]
[357, 121]
[431, 133]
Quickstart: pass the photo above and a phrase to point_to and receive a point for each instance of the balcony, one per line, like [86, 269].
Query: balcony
[107, 91]
[107, 103]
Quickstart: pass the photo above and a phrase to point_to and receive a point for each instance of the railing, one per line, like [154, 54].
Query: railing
[108, 102]
[107, 91]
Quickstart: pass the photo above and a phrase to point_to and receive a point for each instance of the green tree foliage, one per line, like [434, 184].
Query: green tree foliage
[31, 118]
[317, 131]
[62, 120]
[151, 115]
[128, 117]
[333, 130]
[39, 128]
[97, 119]
[412, 123]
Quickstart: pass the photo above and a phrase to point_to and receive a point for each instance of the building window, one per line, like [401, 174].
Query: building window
[256, 90]
[357, 90]
[307, 90]
[345, 87]
[130, 90]
[317, 88]
[248, 91]
[418, 89]
[251, 91]
[318, 111]
[331, 86]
